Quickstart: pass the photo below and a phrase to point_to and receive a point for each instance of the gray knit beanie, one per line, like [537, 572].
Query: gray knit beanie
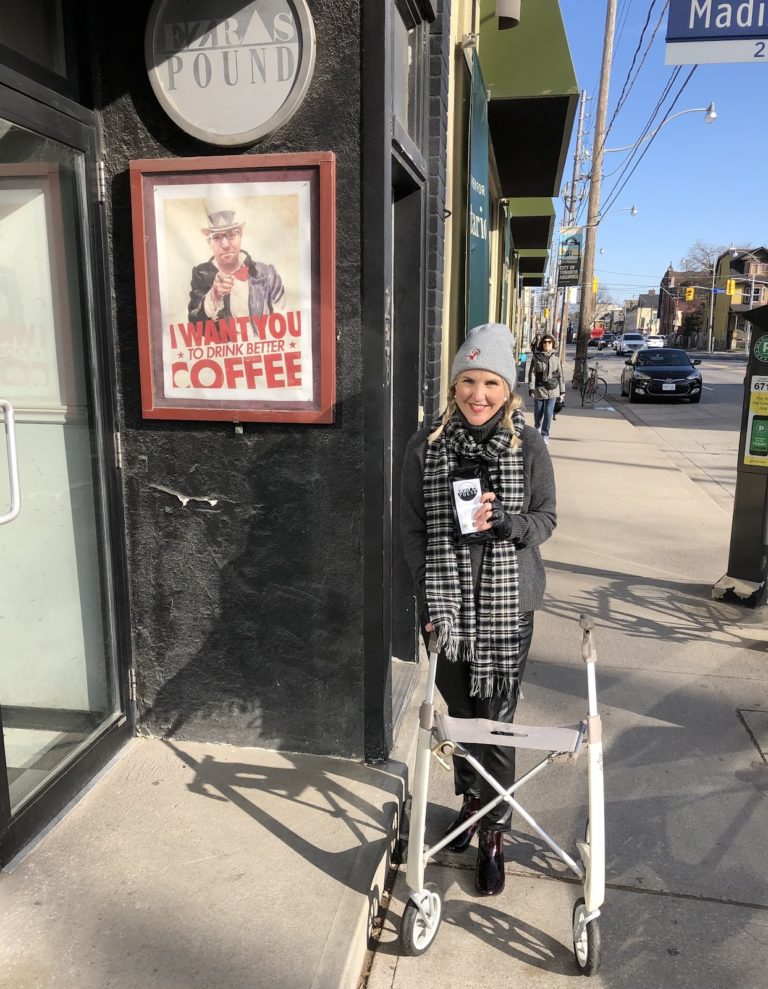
[490, 348]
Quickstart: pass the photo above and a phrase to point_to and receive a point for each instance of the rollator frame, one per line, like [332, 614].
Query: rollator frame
[442, 737]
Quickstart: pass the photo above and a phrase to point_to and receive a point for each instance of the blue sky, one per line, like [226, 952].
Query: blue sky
[697, 181]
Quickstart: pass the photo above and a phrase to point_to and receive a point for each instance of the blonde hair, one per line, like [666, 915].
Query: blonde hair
[512, 402]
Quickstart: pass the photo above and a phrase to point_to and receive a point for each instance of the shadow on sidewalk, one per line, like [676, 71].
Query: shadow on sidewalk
[655, 608]
[340, 804]
[513, 937]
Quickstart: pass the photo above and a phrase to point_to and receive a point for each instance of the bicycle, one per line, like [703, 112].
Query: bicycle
[593, 388]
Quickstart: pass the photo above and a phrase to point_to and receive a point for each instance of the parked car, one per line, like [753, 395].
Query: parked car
[628, 343]
[606, 340]
[663, 372]
[655, 340]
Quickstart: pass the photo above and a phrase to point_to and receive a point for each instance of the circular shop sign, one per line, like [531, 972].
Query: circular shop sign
[230, 76]
[761, 348]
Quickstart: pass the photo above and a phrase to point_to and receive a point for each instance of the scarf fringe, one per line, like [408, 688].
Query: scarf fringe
[495, 685]
[454, 647]
[483, 683]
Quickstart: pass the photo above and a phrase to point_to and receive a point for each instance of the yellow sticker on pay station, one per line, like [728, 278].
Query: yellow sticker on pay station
[756, 446]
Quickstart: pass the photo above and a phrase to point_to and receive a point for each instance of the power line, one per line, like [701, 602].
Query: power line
[633, 285]
[647, 129]
[631, 274]
[610, 202]
[622, 17]
[625, 162]
[627, 87]
[633, 151]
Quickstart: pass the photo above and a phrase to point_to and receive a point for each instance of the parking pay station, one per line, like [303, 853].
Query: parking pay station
[745, 581]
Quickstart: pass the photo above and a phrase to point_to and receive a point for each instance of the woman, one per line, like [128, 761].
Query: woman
[545, 384]
[478, 590]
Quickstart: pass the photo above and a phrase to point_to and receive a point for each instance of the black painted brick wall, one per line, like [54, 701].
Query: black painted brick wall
[246, 614]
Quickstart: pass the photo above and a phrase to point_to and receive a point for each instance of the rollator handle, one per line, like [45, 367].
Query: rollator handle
[588, 653]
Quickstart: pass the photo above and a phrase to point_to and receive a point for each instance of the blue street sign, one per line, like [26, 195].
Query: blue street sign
[719, 291]
[700, 31]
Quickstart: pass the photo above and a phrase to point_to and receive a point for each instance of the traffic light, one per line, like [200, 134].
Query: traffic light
[546, 313]
[594, 286]
[689, 293]
[730, 286]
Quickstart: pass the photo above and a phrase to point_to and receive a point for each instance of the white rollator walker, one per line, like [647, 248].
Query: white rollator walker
[441, 736]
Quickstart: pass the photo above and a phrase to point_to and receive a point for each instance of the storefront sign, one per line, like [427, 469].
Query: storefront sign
[227, 73]
[701, 31]
[234, 262]
[569, 256]
[478, 204]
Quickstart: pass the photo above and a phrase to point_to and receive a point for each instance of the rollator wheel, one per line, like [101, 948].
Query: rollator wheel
[586, 940]
[416, 932]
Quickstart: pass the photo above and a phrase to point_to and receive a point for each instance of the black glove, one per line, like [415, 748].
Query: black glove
[501, 522]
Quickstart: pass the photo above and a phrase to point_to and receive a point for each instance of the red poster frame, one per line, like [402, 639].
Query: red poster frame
[317, 170]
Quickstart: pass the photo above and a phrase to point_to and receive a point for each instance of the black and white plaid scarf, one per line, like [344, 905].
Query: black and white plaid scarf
[488, 637]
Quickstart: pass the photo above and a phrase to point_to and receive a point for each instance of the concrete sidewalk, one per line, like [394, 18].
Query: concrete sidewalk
[192, 866]
[210, 867]
[683, 690]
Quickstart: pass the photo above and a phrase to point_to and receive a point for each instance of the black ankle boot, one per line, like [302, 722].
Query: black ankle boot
[462, 841]
[489, 875]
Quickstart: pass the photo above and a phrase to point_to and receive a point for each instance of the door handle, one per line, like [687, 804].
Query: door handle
[13, 463]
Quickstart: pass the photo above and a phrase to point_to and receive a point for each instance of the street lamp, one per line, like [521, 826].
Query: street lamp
[632, 210]
[593, 210]
[709, 118]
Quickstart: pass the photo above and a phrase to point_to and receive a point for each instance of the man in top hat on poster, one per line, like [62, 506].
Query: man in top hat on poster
[231, 283]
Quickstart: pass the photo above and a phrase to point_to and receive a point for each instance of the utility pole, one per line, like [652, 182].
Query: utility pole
[711, 314]
[559, 299]
[593, 211]
[570, 203]
[551, 295]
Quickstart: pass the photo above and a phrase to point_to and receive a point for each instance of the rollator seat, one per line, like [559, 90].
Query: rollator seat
[481, 731]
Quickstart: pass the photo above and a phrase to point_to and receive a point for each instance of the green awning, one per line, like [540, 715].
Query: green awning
[532, 262]
[533, 96]
[532, 281]
[532, 220]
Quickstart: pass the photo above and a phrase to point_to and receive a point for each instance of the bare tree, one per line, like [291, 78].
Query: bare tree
[701, 256]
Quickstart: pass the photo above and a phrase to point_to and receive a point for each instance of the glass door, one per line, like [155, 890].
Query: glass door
[58, 675]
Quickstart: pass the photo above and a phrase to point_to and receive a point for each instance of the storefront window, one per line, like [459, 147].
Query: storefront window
[407, 76]
[57, 675]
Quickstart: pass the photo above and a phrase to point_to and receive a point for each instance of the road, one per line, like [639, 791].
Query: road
[702, 440]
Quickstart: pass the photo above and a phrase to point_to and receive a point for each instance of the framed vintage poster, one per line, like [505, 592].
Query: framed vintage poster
[235, 261]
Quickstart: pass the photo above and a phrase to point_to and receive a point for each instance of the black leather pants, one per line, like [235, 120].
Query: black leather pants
[498, 760]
